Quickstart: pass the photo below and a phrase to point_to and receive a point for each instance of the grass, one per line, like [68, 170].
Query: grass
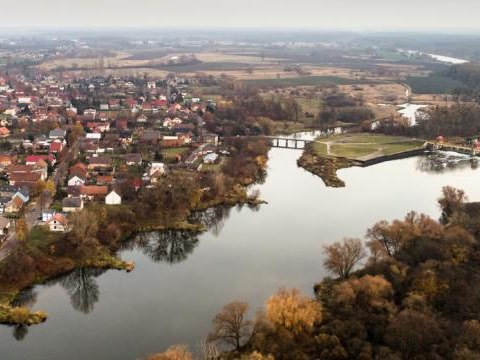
[175, 151]
[306, 81]
[365, 146]
[433, 84]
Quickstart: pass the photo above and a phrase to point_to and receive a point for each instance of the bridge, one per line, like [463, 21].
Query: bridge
[288, 143]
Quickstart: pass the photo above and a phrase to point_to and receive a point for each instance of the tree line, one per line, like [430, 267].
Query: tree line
[414, 296]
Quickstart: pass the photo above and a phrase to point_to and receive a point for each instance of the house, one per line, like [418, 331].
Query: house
[90, 114]
[142, 119]
[72, 204]
[210, 158]
[4, 132]
[99, 162]
[104, 179]
[93, 136]
[14, 205]
[93, 191]
[151, 137]
[76, 181]
[56, 146]
[113, 198]
[58, 223]
[23, 193]
[171, 141]
[79, 170]
[6, 160]
[8, 191]
[210, 139]
[57, 134]
[47, 215]
[121, 124]
[133, 159]
[156, 167]
[34, 159]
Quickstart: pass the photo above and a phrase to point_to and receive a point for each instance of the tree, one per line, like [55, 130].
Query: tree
[21, 229]
[413, 334]
[343, 256]
[451, 201]
[176, 352]
[84, 227]
[230, 326]
[291, 310]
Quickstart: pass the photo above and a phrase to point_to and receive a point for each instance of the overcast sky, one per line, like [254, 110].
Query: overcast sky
[350, 14]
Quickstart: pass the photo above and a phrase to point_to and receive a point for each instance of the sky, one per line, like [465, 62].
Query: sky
[323, 14]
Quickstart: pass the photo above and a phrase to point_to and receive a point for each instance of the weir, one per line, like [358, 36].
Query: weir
[467, 150]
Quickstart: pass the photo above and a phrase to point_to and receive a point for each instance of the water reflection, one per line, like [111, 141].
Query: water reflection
[82, 288]
[213, 218]
[442, 161]
[20, 332]
[167, 246]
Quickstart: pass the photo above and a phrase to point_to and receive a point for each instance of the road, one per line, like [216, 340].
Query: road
[8, 246]
[32, 219]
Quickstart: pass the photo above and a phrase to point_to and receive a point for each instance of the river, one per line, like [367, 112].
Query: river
[181, 281]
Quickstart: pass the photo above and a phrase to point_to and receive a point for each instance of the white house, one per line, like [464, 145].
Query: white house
[113, 198]
[157, 166]
[142, 119]
[76, 181]
[47, 215]
[94, 136]
[58, 223]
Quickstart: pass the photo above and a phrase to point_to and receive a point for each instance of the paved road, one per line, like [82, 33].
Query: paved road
[8, 246]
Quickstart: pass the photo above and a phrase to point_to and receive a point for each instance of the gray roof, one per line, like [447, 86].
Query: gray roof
[72, 202]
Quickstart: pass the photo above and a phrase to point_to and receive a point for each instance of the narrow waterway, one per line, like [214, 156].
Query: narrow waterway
[181, 281]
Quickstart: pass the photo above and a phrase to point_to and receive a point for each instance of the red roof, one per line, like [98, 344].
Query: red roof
[92, 190]
[56, 146]
[36, 158]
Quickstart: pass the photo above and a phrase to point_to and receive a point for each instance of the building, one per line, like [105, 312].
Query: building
[113, 198]
[75, 181]
[47, 215]
[72, 204]
[58, 223]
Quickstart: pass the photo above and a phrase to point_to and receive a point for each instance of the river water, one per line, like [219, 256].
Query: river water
[181, 281]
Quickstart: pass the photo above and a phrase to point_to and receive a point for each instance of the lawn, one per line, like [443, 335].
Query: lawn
[175, 151]
[363, 146]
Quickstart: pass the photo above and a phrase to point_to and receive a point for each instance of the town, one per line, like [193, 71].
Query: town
[60, 152]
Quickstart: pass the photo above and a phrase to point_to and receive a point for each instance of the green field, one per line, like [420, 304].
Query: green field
[364, 146]
[306, 81]
[174, 151]
[433, 84]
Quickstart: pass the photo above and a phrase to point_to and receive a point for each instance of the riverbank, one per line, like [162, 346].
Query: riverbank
[325, 156]
[102, 229]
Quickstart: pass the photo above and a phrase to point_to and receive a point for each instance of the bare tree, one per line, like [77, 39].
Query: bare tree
[343, 256]
[230, 326]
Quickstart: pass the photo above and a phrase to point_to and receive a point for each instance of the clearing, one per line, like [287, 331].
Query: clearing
[365, 146]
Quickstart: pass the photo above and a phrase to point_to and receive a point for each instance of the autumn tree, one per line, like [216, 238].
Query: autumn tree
[84, 227]
[291, 310]
[451, 202]
[413, 334]
[21, 229]
[176, 352]
[231, 327]
[342, 257]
